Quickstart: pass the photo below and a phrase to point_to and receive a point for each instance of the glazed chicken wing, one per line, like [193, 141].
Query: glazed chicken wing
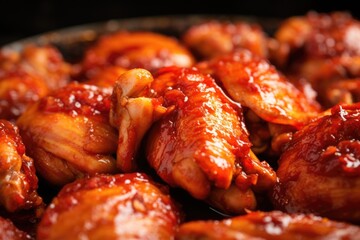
[129, 50]
[18, 182]
[321, 48]
[269, 226]
[319, 171]
[48, 63]
[18, 90]
[123, 206]
[256, 84]
[27, 76]
[198, 142]
[68, 133]
[344, 91]
[213, 38]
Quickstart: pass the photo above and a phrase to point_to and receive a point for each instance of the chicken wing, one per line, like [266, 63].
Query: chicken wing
[199, 142]
[213, 38]
[257, 85]
[68, 133]
[27, 76]
[321, 47]
[123, 206]
[268, 225]
[319, 172]
[129, 50]
[18, 182]
[18, 90]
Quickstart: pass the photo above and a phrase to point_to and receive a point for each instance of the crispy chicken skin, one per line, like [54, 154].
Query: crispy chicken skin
[268, 225]
[123, 206]
[319, 171]
[129, 50]
[68, 133]
[213, 38]
[322, 48]
[27, 76]
[8, 231]
[199, 142]
[18, 182]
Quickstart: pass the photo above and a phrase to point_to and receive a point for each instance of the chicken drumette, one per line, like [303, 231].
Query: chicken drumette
[123, 206]
[27, 76]
[68, 133]
[18, 182]
[319, 171]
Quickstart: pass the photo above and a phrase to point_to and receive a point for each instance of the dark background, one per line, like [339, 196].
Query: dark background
[19, 19]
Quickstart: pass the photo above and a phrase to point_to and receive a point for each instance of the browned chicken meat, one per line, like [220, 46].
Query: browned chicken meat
[8, 231]
[123, 206]
[213, 38]
[275, 106]
[106, 77]
[322, 48]
[18, 182]
[68, 133]
[220, 131]
[125, 49]
[198, 142]
[319, 172]
[273, 225]
[27, 76]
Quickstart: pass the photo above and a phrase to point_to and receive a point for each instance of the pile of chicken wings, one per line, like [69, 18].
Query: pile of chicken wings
[224, 132]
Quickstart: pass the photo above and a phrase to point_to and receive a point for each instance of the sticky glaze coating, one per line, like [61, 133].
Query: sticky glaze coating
[319, 172]
[78, 99]
[320, 48]
[18, 182]
[193, 129]
[214, 38]
[320, 35]
[129, 50]
[18, 90]
[123, 206]
[201, 142]
[269, 225]
[68, 133]
[274, 107]
[10, 232]
[255, 83]
[28, 76]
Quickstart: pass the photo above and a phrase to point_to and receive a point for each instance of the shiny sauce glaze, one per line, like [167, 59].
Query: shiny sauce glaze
[204, 124]
[117, 206]
[78, 99]
[338, 151]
